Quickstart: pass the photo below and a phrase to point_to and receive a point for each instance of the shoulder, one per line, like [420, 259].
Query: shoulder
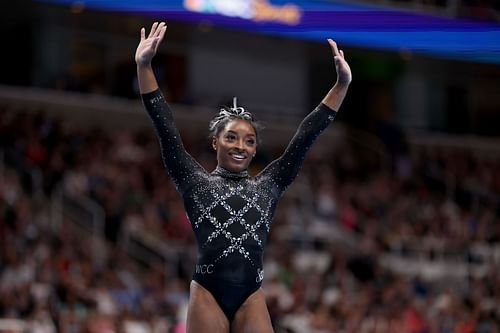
[264, 182]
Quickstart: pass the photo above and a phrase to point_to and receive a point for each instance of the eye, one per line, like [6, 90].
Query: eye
[251, 142]
[230, 137]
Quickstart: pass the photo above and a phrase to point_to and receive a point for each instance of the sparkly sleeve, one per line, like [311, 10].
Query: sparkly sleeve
[284, 169]
[180, 165]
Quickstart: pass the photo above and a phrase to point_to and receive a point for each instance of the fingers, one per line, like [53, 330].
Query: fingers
[159, 29]
[158, 35]
[162, 33]
[333, 45]
[153, 29]
[335, 49]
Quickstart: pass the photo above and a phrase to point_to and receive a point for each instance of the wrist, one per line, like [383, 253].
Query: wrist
[341, 85]
[143, 65]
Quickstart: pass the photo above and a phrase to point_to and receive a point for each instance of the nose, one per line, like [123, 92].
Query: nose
[239, 144]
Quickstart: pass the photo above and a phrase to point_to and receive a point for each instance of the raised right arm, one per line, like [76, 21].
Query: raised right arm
[180, 165]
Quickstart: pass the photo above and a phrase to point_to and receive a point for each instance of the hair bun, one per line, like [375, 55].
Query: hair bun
[234, 112]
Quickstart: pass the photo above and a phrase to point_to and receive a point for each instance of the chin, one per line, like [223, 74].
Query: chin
[236, 168]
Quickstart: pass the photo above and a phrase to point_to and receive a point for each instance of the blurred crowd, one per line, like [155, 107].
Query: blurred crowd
[425, 203]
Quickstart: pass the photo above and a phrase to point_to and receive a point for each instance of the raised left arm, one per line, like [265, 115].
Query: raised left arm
[284, 169]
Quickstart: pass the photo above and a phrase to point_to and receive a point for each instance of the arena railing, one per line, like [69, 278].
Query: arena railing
[108, 112]
[477, 145]
[83, 213]
[89, 217]
[32, 179]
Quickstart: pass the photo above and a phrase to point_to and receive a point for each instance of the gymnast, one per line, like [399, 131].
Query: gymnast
[230, 211]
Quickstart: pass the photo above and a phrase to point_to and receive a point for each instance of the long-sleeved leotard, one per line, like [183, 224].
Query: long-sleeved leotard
[230, 213]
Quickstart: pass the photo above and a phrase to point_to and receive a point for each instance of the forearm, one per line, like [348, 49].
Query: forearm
[336, 96]
[175, 158]
[285, 169]
[146, 78]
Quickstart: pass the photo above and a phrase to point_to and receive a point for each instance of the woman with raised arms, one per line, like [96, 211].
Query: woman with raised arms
[230, 212]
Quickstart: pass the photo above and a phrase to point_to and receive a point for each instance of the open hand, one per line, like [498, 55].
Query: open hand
[344, 75]
[147, 47]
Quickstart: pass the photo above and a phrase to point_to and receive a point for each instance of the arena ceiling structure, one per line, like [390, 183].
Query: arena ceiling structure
[354, 24]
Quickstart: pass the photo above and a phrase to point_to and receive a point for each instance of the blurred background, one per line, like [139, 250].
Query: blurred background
[392, 225]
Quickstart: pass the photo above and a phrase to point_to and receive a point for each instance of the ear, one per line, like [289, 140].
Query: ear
[214, 143]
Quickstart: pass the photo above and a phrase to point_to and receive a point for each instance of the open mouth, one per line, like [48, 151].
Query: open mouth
[238, 156]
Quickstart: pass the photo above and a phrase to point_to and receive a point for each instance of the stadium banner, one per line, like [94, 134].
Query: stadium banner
[350, 24]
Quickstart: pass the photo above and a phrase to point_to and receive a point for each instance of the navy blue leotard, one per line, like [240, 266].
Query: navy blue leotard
[230, 212]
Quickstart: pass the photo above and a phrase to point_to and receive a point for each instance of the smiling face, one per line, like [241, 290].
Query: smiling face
[235, 145]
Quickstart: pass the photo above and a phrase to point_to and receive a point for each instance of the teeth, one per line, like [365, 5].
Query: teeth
[239, 156]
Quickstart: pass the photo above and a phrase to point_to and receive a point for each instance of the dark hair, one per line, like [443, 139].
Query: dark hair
[228, 114]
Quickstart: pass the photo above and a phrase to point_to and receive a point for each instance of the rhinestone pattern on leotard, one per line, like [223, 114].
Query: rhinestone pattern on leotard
[231, 213]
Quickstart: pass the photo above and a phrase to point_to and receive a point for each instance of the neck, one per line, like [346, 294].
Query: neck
[230, 174]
